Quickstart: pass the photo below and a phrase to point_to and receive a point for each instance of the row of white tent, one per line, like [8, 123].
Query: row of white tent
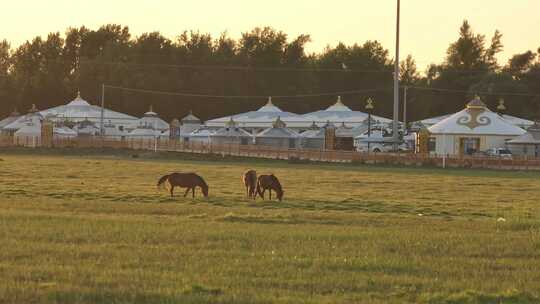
[474, 128]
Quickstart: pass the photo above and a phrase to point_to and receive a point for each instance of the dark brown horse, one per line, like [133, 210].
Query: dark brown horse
[184, 180]
[250, 181]
[269, 182]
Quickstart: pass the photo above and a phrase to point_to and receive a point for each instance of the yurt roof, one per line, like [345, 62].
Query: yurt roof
[190, 118]
[151, 120]
[30, 128]
[201, 132]
[231, 131]
[320, 133]
[531, 137]
[339, 113]
[79, 109]
[516, 121]
[475, 119]
[262, 118]
[21, 121]
[11, 118]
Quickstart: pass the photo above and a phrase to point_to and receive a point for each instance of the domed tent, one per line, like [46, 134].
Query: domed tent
[33, 115]
[79, 110]
[527, 144]
[339, 113]
[279, 136]
[313, 138]
[472, 129]
[231, 134]
[11, 118]
[263, 118]
[151, 120]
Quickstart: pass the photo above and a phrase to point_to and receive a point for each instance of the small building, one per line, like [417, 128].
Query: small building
[8, 120]
[255, 121]
[79, 109]
[471, 130]
[231, 134]
[151, 120]
[201, 135]
[339, 113]
[313, 138]
[279, 136]
[33, 116]
[188, 124]
[527, 144]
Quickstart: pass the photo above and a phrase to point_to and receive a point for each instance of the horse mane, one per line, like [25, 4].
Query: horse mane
[162, 180]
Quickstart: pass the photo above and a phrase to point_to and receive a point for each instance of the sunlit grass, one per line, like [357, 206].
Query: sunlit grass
[96, 230]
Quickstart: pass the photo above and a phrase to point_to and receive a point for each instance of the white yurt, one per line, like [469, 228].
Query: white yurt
[263, 118]
[313, 138]
[86, 128]
[527, 144]
[33, 115]
[279, 136]
[473, 129]
[201, 135]
[428, 122]
[79, 109]
[8, 120]
[339, 113]
[29, 134]
[189, 124]
[231, 134]
[151, 120]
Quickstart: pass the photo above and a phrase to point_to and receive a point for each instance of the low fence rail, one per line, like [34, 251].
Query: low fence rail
[258, 151]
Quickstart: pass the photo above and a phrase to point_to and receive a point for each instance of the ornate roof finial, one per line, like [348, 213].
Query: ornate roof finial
[501, 107]
[79, 94]
[33, 109]
[269, 103]
[314, 126]
[151, 108]
[231, 123]
[279, 123]
[338, 102]
[476, 103]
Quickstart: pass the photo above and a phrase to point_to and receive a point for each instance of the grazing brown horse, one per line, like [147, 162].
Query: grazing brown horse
[184, 180]
[250, 181]
[269, 182]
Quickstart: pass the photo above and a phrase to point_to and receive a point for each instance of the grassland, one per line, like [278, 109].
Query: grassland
[94, 229]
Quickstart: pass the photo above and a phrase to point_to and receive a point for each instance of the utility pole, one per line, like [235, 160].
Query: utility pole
[101, 125]
[405, 108]
[395, 136]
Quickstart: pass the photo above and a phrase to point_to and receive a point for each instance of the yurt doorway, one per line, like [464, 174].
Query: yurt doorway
[469, 145]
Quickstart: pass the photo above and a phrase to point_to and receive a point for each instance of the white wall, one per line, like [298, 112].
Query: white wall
[449, 144]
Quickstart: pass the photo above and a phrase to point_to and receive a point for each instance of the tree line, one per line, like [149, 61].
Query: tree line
[262, 62]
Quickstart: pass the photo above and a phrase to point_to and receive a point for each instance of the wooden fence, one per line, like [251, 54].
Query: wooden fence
[258, 151]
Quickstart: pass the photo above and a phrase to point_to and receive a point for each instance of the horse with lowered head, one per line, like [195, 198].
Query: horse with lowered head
[250, 181]
[269, 182]
[184, 180]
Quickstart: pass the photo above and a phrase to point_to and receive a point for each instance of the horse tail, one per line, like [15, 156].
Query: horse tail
[163, 179]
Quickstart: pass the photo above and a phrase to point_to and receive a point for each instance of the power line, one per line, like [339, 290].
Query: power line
[340, 93]
[235, 67]
[469, 91]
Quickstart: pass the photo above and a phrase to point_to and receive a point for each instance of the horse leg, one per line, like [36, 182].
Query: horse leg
[172, 191]
[193, 192]
[270, 191]
[185, 193]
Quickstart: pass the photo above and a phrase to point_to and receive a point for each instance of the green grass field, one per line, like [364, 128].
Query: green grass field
[94, 229]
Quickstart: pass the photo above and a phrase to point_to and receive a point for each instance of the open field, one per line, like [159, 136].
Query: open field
[95, 229]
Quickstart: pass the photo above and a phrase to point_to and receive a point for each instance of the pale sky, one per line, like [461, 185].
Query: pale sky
[427, 26]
